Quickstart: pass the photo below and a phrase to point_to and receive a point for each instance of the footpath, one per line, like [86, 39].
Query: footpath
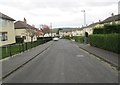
[13, 63]
[107, 56]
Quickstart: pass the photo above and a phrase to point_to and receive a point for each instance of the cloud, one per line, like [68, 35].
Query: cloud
[101, 3]
[60, 12]
[61, 4]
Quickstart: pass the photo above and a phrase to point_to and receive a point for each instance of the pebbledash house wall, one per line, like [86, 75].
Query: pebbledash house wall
[22, 32]
[7, 27]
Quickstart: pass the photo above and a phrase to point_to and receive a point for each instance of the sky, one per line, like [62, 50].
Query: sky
[59, 13]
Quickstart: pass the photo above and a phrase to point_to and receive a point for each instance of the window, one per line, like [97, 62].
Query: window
[3, 36]
[10, 23]
[24, 37]
[4, 22]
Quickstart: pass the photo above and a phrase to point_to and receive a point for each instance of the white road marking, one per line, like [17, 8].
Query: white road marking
[80, 56]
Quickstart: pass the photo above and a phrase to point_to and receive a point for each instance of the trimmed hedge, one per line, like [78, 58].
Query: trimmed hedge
[66, 37]
[106, 41]
[19, 40]
[79, 39]
[107, 29]
[44, 39]
[19, 47]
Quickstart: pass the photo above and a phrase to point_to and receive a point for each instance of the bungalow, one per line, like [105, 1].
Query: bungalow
[26, 31]
[7, 32]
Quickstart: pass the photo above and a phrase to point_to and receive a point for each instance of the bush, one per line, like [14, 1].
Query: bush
[106, 41]
[19, 40]
[107, 29]
[67, 37]
[10, 50]
[79, 39]
[44, 39]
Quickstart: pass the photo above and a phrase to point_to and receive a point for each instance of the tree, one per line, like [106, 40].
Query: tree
[45, 29]
[31, 32]
[59, 30]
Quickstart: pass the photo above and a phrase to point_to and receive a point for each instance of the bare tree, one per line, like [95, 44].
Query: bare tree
[45, 29]
[31, 32]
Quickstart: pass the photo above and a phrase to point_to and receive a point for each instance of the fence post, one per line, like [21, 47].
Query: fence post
[6, 49]
[37, 42]
[19, 48]
[23, 47]
[31, 44]
[10, 51]
[26, 45]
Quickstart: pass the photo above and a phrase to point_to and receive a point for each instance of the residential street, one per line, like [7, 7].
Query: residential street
[64, 62]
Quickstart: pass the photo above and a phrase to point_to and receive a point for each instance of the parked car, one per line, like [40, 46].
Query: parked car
[55, 38]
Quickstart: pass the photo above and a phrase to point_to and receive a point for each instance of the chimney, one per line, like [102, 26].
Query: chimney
[112, 14]
[25, 20]
[99, 20]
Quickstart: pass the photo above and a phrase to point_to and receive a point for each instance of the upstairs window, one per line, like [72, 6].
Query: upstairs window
[4, 23]
[3, 36]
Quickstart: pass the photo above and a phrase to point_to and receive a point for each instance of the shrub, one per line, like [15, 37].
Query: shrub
[106, 41]
[67, 37]
[79, 39]
[19, 40]
[107, 29]
[43, 39]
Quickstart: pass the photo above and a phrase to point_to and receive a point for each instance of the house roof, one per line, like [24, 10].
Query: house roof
[3, 16]
[91, 25]
[20, 25]
[23, 25]
[112, 18]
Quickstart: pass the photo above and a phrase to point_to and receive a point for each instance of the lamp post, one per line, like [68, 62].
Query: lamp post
[51, 28]
[86, 34]
[84, 16]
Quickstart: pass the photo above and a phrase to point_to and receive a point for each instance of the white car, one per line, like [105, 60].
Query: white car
[55, 38]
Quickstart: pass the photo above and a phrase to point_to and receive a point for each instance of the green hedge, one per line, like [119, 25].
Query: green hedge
[79, 39]
[106, 41]
[19, 40]
[66, 37]
[10, 50]
[44, 39]
[107, 29]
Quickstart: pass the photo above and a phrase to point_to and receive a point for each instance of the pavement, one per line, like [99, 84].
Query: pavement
[107, 56]
[63, 62]
[12, 64]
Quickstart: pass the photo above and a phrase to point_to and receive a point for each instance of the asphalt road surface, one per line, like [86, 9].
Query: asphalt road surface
[64, 62]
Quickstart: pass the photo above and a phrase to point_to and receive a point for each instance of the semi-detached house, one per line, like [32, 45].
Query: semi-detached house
[22, 30]
[7, 32]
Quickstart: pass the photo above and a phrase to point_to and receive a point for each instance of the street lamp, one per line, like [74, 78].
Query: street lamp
[84, 17]
[51, 28]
